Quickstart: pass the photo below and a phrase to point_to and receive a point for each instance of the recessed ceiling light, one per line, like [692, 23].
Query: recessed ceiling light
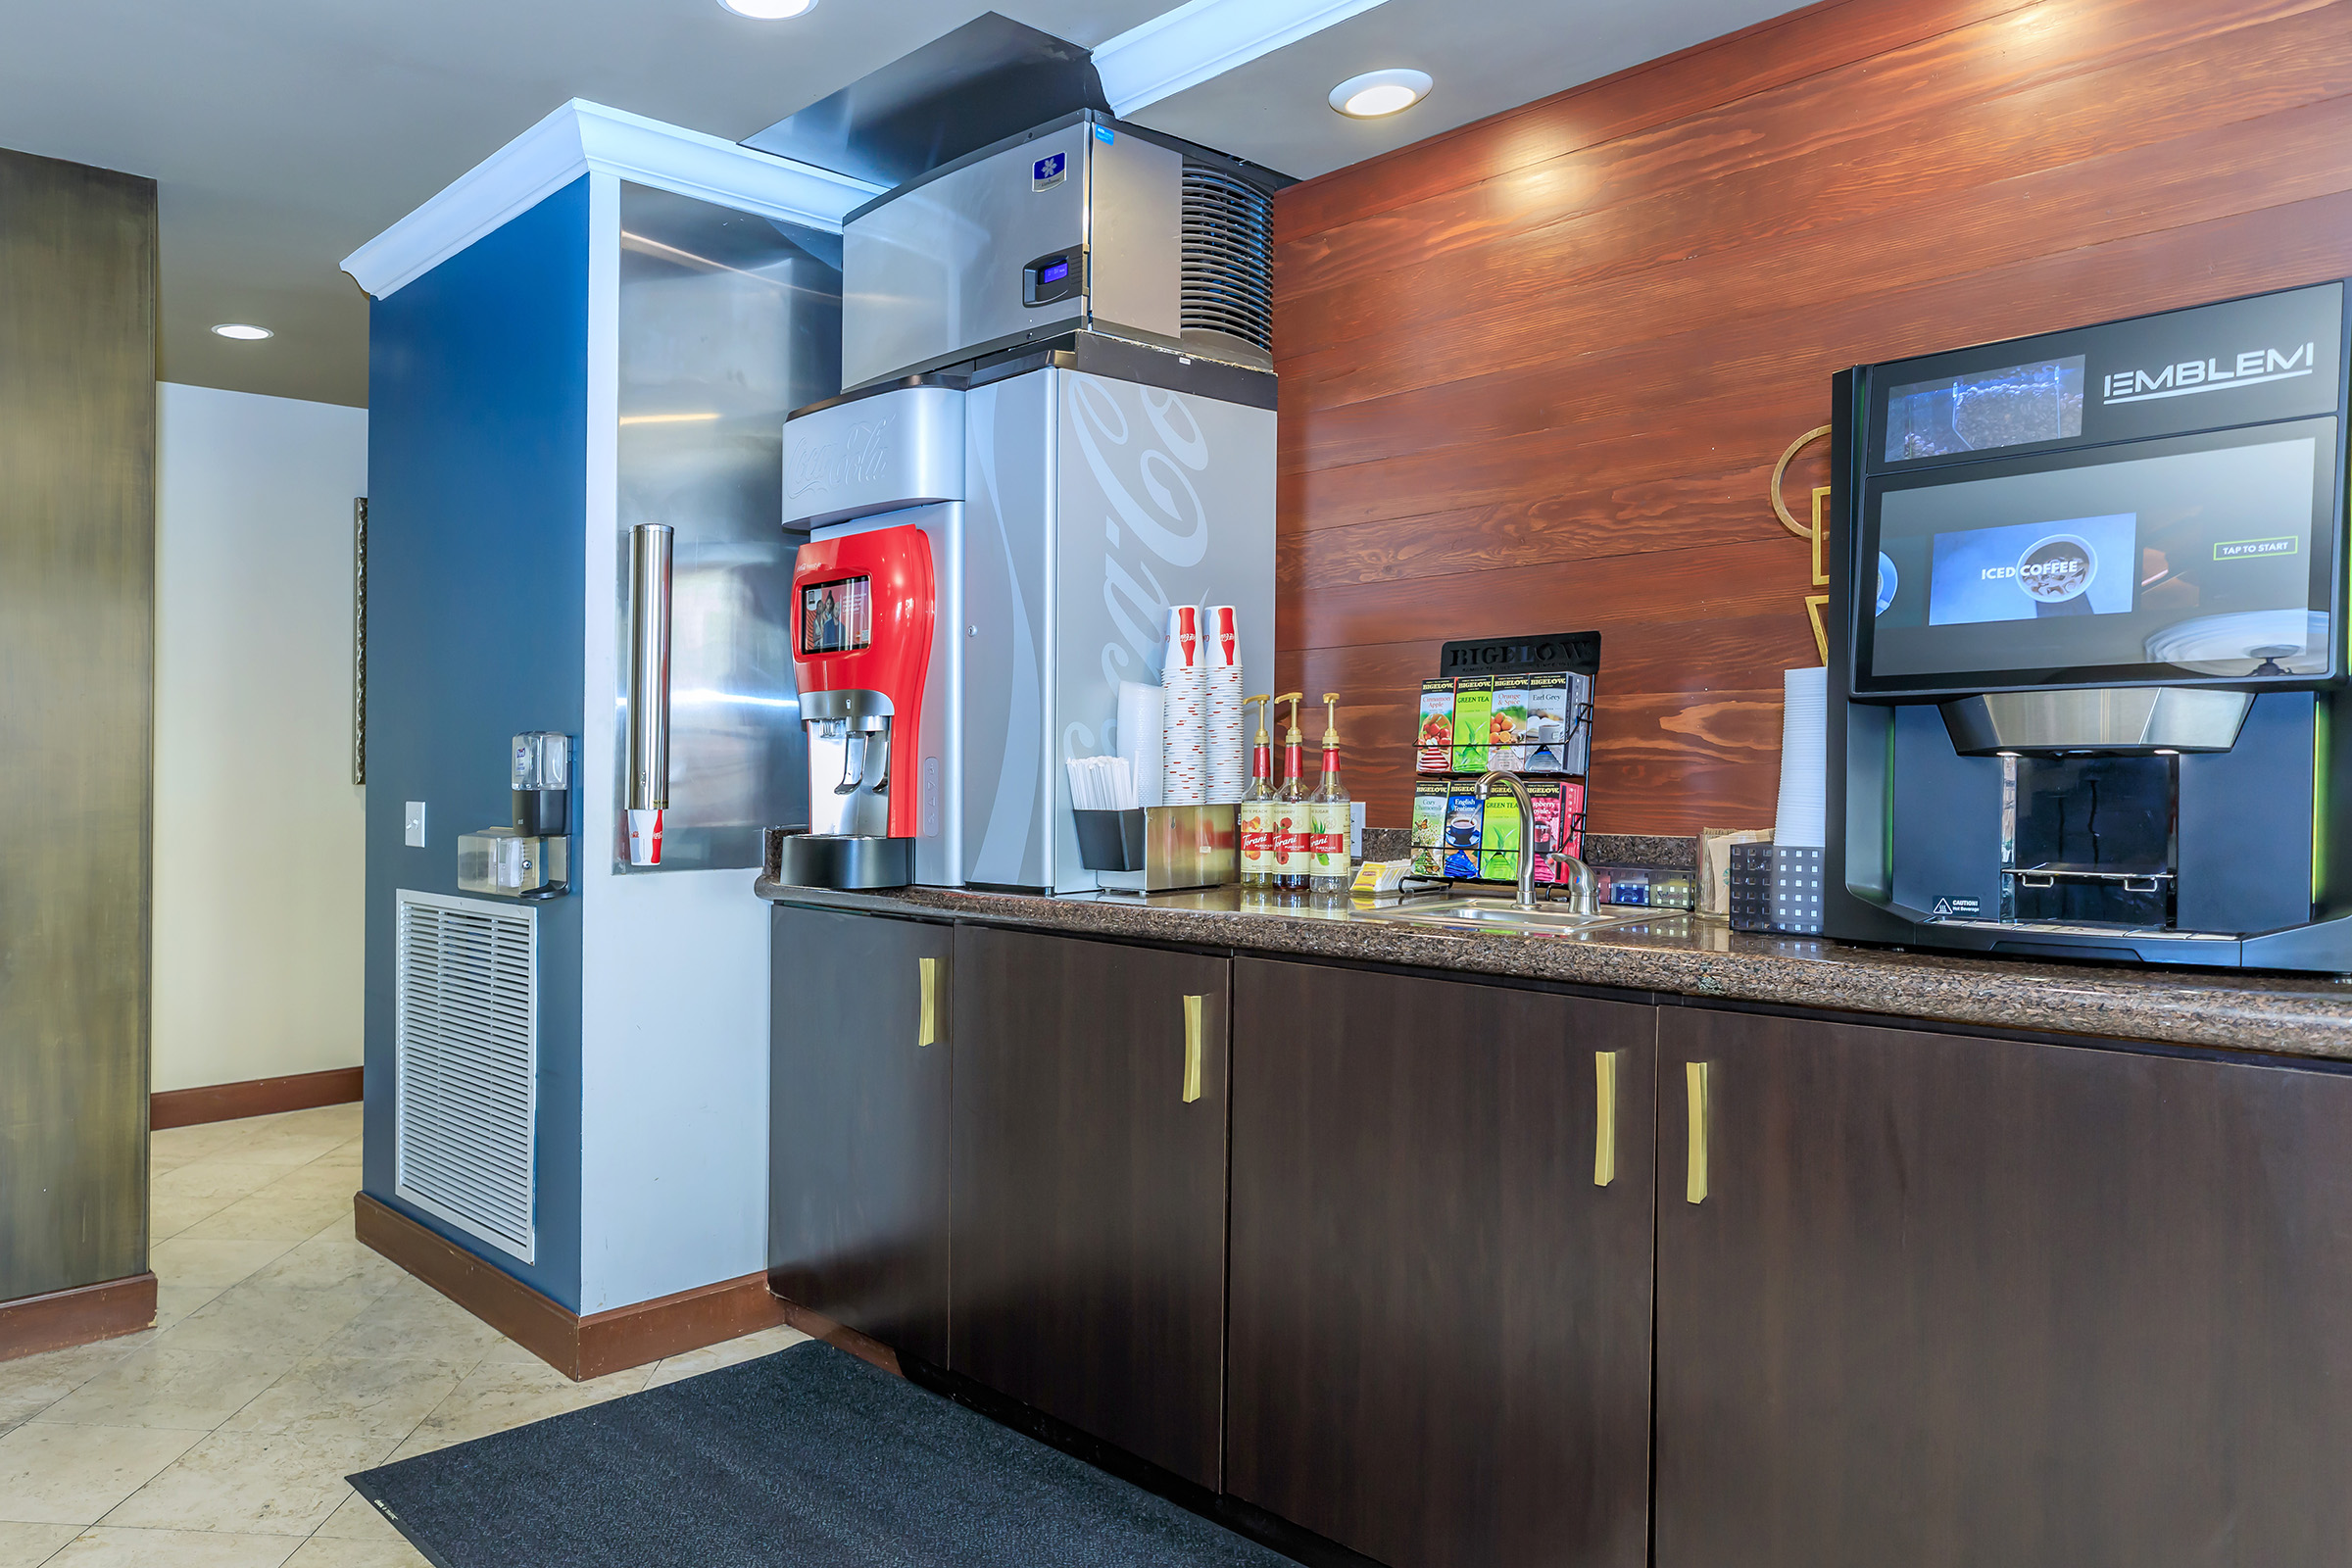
[1380, 92]
[242, 331]
[769, 10]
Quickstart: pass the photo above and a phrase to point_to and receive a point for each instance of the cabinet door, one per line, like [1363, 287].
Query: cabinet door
[1090, 1190]
[1440, 1319]
[1951, 1303]
[857, 1146]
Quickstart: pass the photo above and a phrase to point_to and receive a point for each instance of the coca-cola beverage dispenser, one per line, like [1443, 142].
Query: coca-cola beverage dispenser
[863, 611]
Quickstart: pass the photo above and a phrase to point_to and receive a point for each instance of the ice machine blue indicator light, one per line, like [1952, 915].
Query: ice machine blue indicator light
[1055, 273]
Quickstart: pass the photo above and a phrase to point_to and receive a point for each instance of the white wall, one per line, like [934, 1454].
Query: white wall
[260, 859]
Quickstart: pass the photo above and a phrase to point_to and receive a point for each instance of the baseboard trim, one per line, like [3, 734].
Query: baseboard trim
[841, 1337]
[87, 1312]
[579, 1348]
[255, 1097]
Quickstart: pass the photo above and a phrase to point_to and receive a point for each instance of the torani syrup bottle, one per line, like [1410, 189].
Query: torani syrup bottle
[1328, 814]
[1253, 818]
[1289, 807]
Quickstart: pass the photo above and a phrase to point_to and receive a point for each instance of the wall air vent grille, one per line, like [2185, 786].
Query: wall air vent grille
[1228, 281]
[465, 1046]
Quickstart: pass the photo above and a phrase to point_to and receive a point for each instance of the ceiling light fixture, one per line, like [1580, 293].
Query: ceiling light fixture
[243, 332]
[769, 10]
[1380, 92]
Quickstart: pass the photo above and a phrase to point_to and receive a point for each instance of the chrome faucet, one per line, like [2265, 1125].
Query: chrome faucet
[1581, 897]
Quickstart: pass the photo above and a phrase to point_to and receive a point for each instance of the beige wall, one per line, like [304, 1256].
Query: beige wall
[259, 857]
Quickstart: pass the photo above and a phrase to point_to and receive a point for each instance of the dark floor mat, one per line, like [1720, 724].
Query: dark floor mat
[805, 1458]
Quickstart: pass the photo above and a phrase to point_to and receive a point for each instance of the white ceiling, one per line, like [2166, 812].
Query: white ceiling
[284, 133]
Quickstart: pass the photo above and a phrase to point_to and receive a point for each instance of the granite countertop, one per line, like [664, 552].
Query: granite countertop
[1679, 954]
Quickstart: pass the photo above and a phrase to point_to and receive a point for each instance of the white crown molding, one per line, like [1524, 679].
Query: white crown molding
[1204, 38]
[582, 136]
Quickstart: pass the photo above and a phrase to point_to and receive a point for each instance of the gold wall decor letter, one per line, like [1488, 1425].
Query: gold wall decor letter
[1815, 603]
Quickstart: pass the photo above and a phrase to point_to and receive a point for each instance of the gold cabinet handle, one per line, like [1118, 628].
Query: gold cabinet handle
[1605, 1115]
[1695, 1084]
[1194, 1027]
[926, 1031]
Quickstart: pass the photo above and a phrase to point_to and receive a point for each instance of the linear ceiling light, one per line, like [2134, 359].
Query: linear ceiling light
[1380, 92]
[769, 10]
[1204, 38]
[243, 332]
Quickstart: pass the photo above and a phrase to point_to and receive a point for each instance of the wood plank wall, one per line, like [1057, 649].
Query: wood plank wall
[1536, 372]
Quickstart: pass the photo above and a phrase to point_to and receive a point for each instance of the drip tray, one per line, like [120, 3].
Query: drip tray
[844, 861]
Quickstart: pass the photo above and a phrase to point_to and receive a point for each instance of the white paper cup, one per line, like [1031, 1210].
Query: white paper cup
[645, 837]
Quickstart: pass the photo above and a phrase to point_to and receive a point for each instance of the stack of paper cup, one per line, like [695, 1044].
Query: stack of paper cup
[1228, 754]
[1184, 697]
[1804, 758]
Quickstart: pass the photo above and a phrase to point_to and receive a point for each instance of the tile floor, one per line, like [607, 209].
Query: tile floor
[284, 1357]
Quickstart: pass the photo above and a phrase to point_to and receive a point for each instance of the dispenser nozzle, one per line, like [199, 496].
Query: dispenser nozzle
[1262, 738]
[1331, 719]
[1292, 737]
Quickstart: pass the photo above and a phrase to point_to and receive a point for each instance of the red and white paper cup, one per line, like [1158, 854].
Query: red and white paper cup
[1184, 687]
[645, 837]
[1227, 747]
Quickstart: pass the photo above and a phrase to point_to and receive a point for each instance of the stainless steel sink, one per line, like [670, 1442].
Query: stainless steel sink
[1502, 914]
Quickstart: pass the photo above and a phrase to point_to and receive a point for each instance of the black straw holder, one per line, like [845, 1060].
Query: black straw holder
[1110, 841]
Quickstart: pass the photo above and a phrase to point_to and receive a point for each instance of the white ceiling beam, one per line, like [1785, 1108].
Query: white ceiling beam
[582, 136]
[1204, 38]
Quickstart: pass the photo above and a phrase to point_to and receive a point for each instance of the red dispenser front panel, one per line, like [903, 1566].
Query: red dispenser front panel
[863, 610]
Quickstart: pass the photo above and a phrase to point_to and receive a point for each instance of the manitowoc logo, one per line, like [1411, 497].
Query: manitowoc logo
[2191, 376]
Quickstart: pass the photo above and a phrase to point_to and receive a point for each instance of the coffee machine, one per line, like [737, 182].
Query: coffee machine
[864, 607]
[2087, 670]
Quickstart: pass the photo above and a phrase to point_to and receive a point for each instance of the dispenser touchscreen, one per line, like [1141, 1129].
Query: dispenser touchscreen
[2209, 554]
[837, 617]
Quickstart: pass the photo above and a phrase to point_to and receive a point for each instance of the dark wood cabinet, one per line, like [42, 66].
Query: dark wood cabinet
[1089, 1185]
[859, 1123]
[1440, 1346]
[1955, 1302]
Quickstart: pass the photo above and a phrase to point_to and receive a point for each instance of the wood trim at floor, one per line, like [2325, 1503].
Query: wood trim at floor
[87, 1312]
[841, 1337]
[255, 1097]
[579, 1348]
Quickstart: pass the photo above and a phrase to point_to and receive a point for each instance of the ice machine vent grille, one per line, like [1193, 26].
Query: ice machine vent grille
[465, 1046]
[1228, 283]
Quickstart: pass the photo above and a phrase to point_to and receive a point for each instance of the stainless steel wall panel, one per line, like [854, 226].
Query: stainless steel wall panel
[77, 265]
[727, 325]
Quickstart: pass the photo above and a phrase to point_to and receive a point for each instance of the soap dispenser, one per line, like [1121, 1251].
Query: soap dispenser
[1328, 814]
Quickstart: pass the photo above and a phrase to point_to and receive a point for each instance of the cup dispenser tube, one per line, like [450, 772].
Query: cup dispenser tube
[650, 545]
